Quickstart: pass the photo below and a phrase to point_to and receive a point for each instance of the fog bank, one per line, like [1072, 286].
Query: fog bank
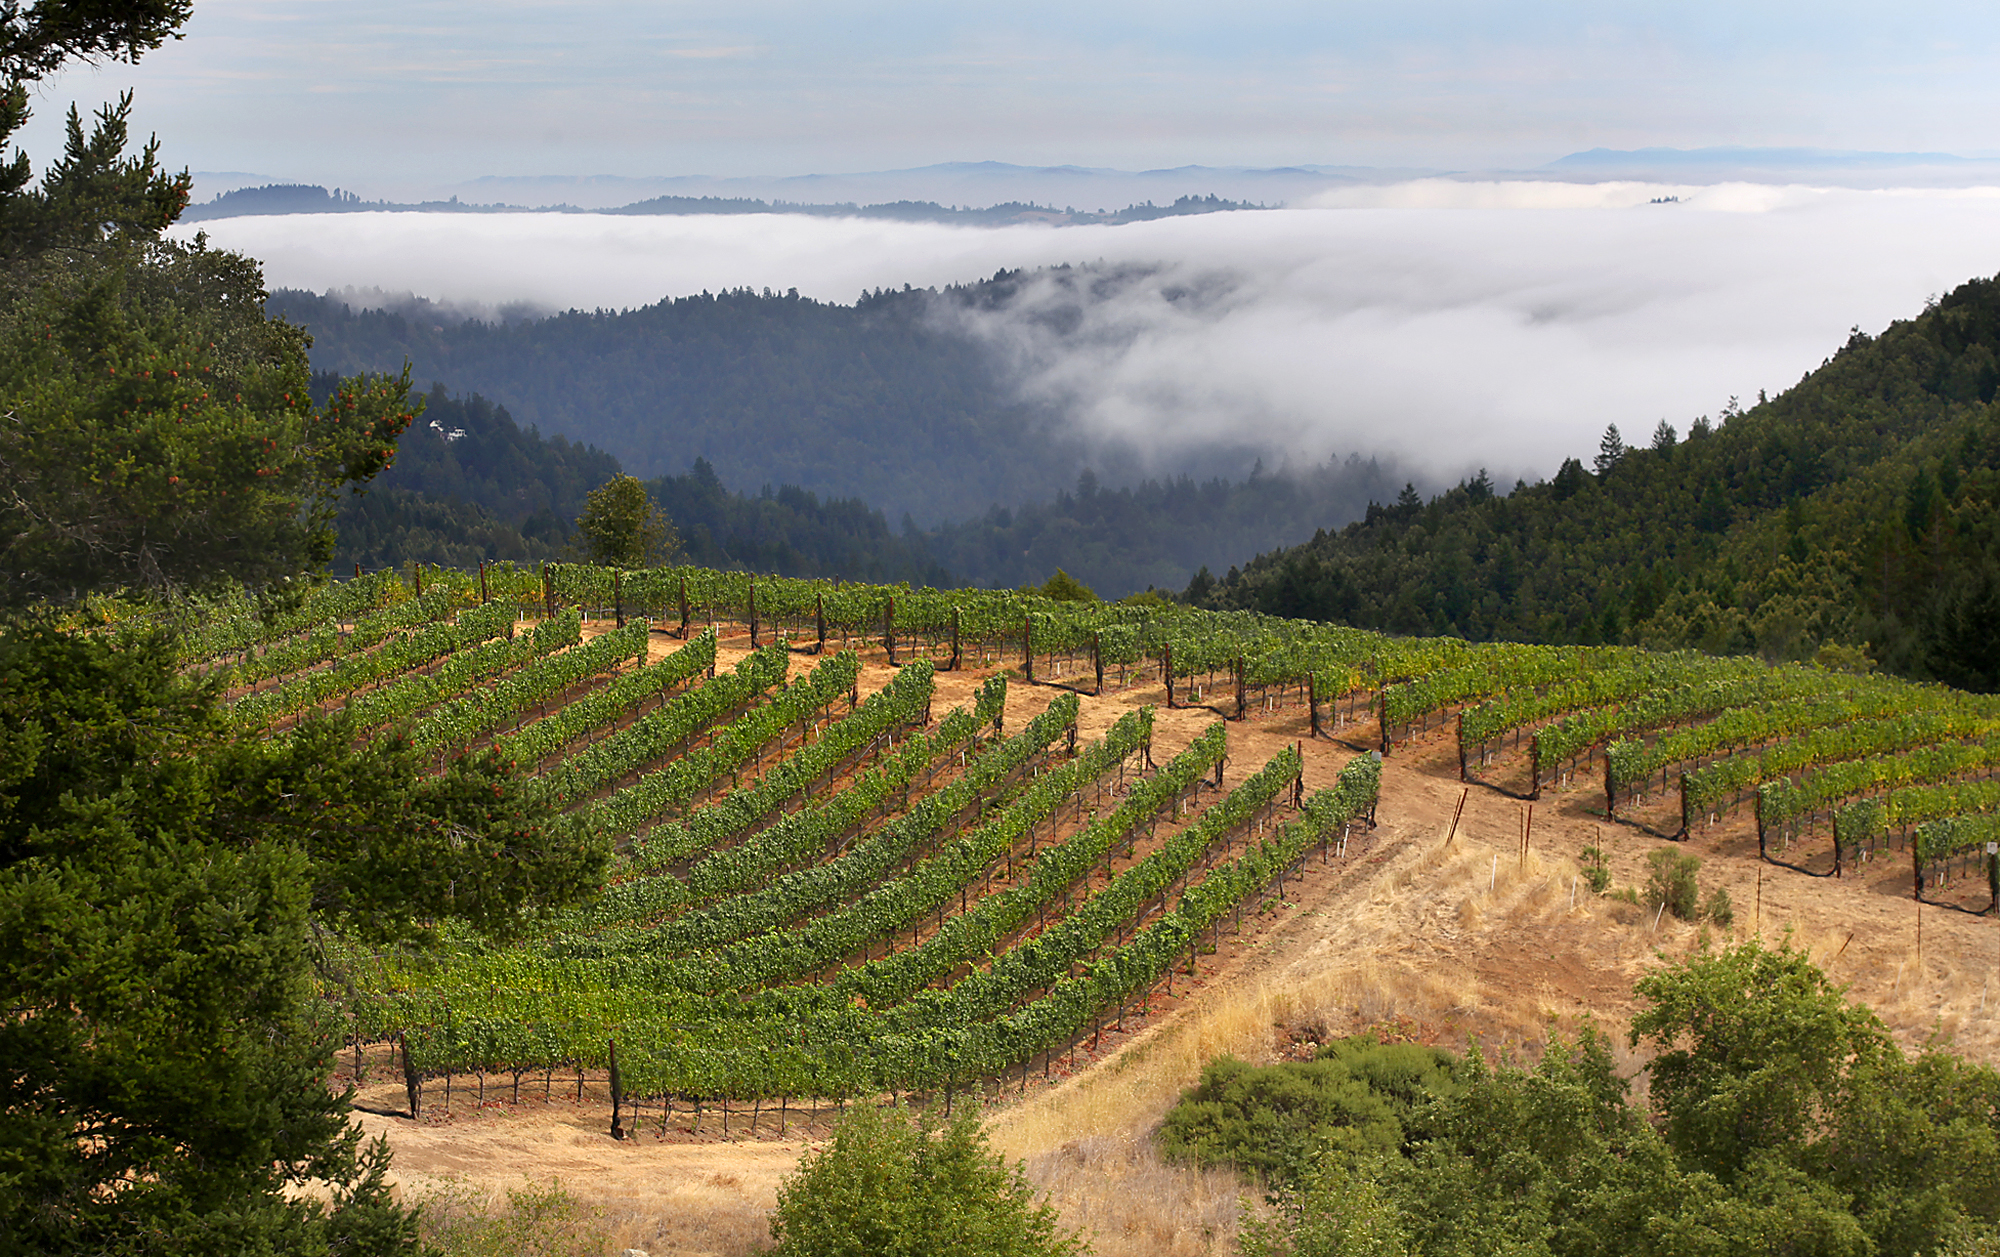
[1454, 323]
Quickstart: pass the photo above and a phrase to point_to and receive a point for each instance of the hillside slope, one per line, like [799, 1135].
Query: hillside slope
[867, 401]
[468, 485]
[1857, 510]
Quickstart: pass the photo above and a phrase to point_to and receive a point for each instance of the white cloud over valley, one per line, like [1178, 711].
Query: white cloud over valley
[1456, 324]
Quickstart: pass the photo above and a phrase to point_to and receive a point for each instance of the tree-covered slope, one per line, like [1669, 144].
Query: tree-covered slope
[790, 532]
[467, 485]
[871, 400]
[1152, 534]
[1857, 509]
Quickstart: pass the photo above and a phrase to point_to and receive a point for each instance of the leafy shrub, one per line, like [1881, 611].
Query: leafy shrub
[1718, 908]
[1672, 882]
[1595, 875]
[1778, 1119]
[888, 1185]
[1358, 1097]
[1062, 587]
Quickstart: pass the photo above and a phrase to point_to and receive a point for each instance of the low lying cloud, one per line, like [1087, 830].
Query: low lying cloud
[1454, 324]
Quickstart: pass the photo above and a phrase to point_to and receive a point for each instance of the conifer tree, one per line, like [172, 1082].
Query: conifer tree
[1610, 450]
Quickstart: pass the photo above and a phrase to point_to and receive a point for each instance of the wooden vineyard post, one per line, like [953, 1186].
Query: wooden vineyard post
[953, 665]
[548, 594]
[417, 574]
[819, 622]
[1097, 658]
[484, 596]
[1534, 767]
[684, 608]
[753, 615]
[411, 1084]
[618, 597]
[1382, 707]
[1167, 672]
[1312, 704]
[1461, 745]
[1610, 789]
[1242, 698]
[617, 1095]
[357, 569]
[889, 629]
[1028, 645]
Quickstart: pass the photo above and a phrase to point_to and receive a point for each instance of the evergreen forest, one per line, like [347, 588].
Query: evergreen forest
[1852, 515]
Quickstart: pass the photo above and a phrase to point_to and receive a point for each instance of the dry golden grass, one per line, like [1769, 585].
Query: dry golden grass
[1134, 1204]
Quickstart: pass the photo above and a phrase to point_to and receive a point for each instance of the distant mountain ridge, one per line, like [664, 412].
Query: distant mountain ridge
[1755, 158]
[302, 198]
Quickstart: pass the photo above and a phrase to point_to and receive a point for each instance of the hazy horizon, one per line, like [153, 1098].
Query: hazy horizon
[377, 96]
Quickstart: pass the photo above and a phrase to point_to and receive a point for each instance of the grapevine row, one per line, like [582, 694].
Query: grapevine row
[604, 705]
[393, 657]
[469, 717]
[674, 784]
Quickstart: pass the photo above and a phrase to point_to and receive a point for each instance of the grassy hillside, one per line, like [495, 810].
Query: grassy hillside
[1854, 512]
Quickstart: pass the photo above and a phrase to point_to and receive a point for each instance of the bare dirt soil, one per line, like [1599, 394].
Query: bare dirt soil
[1418, 932]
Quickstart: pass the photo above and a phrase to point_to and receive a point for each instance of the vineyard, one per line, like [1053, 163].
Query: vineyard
[817, 895]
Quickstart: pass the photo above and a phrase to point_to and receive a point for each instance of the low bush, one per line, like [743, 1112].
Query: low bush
[890, 1185]
[1357, 1098]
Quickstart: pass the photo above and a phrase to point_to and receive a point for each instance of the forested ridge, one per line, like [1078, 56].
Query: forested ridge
[789, 436]
[469, 485]
[870, 400]
[1855, 511]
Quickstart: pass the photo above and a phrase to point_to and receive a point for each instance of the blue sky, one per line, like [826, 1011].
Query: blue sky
[386, 96]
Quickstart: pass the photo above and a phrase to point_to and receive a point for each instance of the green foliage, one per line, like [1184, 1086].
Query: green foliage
[883, 375]
[1331, 1214]
[1670, 880]
[165, 1052]
[92, 195]
[1784, 1121]
[730, 376]
[468, 485]
[93, 191]
[1595, 874]
[621, 527]
[792, 532]
[165, 889]
[1718, 908]
[1356, 1100]
[888, 1185]
[1062, 587]
[1756, 1051]
[163, 436]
